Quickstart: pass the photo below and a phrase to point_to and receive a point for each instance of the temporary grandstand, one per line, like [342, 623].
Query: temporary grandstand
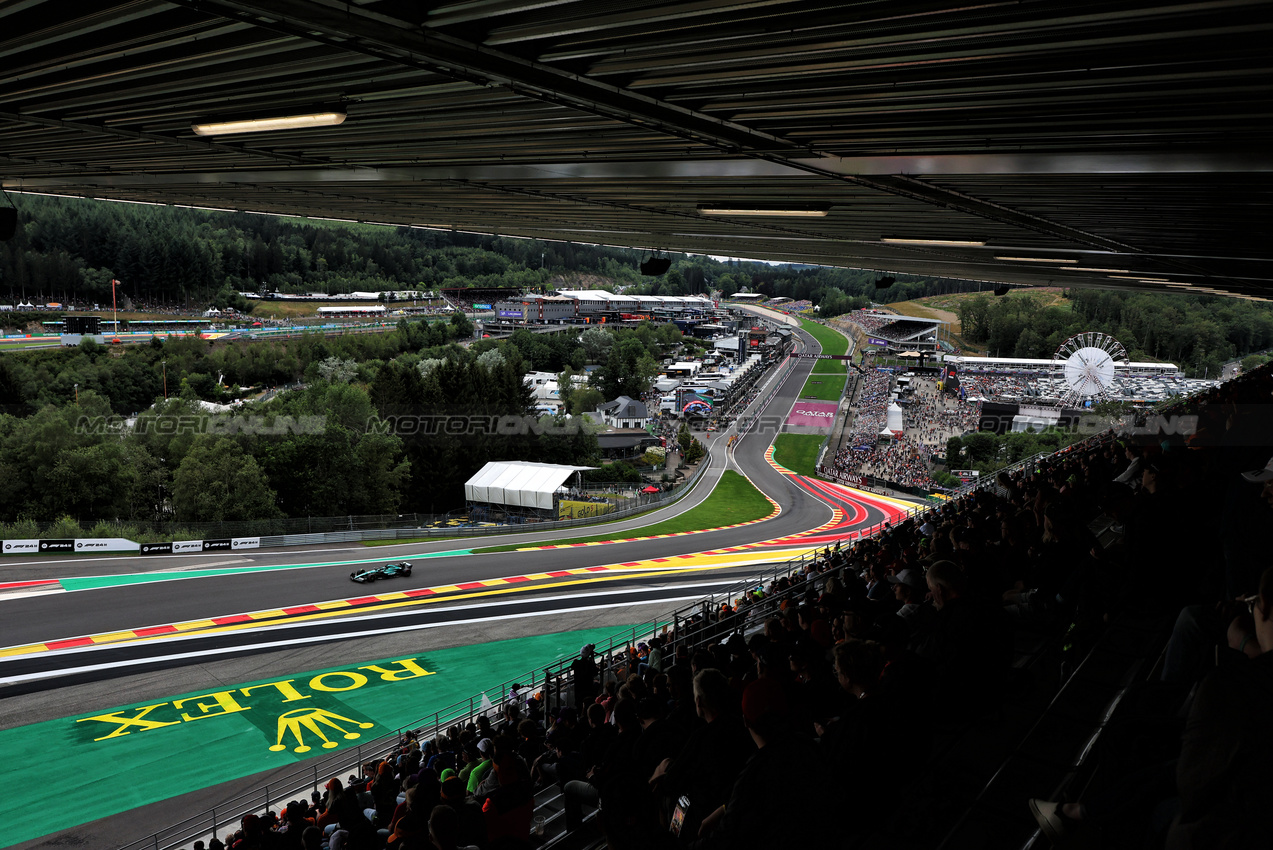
[893, 330]
[520, 488]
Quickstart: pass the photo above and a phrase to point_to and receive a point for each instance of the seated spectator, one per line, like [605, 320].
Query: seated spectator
[970, 643]
[782, 798]
[445, 830]
[705, 769]
[506, 795]
[909, 590]
[343, 820]
[410, 830]
[1223, 774]
[469, 822]
[619, 759]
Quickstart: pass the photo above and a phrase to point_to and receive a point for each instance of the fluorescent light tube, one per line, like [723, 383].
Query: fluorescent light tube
[1034, 260]
[258, 125]
[952, 243]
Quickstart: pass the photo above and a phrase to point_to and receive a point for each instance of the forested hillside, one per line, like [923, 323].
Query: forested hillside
[1199, 334]
[65, 450]
[69, 250]
[371, 424]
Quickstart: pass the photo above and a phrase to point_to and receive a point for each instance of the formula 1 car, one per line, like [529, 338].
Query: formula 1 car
[402, 568]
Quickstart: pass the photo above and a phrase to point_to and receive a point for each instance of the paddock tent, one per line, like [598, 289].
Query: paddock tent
[894, 426]
[518, 483]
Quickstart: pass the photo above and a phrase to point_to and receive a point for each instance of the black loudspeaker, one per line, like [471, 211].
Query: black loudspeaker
[8, 223]
[1002, 290]
[656, 266]
[885, 282]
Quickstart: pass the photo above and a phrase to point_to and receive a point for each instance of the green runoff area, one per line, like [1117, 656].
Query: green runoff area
[823, 386]
[798, 452]
[95, 582]
[734, 500]
[149, 751]
[826, 381]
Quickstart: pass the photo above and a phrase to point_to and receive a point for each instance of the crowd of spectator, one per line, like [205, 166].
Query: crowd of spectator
[867, 320]
[932, 418]
[900, 462]
[802, 713]
[990, 386]
[870, 409]
[900, 329]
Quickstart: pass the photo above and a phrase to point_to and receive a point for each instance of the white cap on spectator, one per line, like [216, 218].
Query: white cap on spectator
[1257, 475]
[909, 576]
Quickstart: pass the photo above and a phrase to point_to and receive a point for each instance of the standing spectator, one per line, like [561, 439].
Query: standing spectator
[584, 672]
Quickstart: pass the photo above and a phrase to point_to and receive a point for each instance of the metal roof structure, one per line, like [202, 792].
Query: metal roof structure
[517, 483]
[1084, 142]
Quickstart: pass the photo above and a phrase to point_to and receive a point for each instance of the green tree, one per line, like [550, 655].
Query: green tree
[461, 326]
[596, 344]
[974, 317]
[491, 360]
[218, 481]
[628, 370]
[585, 399]
[337, 371]
[1029, 344]
[695, 451]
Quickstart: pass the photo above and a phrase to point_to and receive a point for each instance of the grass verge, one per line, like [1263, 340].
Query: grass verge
[823, 387]
[826, 381]
[798, 452]
[734, 500]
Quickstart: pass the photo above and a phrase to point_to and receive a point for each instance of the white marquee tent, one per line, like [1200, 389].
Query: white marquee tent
[518, 483]
[894, 426]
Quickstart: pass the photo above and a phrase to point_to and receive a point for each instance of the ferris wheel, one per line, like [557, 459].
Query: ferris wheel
[1089, 362]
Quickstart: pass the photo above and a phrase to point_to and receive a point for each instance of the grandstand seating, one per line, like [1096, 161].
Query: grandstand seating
[1058, 586]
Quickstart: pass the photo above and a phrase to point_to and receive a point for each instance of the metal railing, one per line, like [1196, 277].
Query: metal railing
[550, 681]
[693, 625]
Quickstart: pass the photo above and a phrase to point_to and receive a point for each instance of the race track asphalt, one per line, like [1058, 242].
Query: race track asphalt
[321, 574]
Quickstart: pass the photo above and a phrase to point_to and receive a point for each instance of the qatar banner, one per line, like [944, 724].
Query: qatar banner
[807, 414]
[843, 477]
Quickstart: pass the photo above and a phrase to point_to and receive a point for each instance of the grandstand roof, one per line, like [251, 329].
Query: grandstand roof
[1122, 142]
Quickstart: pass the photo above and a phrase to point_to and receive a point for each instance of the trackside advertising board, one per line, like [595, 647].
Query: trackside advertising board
[187, 547]
[81, 545]
[105, 544]
[172, 744]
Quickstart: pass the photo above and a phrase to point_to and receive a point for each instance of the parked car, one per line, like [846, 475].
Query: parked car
[402, 568]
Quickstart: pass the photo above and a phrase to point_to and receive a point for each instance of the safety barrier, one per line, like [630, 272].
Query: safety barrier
[551, 682]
